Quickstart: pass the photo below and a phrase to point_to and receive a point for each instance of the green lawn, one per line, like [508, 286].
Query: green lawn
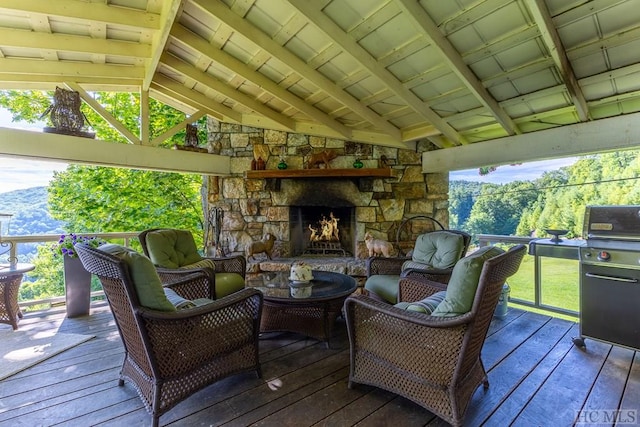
[560, 282]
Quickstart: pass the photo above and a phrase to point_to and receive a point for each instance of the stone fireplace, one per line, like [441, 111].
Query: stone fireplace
[289, 207]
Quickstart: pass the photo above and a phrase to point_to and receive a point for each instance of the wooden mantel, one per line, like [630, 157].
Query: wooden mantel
[362, 176]
[321, 173]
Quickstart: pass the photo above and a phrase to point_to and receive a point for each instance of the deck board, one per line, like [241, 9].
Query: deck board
[534, 371]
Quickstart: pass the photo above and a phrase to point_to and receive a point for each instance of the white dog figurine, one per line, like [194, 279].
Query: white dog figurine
[265, 245]
[377, 247]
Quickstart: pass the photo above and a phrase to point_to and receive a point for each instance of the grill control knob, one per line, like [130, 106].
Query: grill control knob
[604, 256]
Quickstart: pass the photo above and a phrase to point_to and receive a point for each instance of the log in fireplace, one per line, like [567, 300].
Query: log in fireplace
[322, 230]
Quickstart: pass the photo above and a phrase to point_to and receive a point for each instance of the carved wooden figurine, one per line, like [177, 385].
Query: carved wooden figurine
[322, 157]
[264, 246]
[377, 246]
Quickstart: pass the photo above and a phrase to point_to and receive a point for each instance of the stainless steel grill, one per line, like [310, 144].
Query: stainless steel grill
[610, 276]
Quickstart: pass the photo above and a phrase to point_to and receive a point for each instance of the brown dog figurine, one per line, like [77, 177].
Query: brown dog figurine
[377, 247]
[322, 157]
[263, 246]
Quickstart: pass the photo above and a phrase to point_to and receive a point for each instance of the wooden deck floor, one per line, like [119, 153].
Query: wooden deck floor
[537, 378]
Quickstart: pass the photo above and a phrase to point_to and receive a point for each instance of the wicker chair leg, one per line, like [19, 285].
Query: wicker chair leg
[485, 383]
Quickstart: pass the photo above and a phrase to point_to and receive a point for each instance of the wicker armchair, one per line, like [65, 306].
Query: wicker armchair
[221, 275]
[390, 270]
[169, 355]
[433, 361]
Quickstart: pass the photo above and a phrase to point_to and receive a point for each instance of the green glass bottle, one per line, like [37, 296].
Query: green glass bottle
[358, 164]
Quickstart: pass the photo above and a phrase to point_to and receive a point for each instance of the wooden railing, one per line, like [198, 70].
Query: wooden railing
[537, 278]
[123, 238]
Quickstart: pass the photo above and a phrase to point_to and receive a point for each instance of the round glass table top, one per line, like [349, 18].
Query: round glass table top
[325, 285]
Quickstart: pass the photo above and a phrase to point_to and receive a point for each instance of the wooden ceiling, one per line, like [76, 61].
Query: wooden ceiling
[388, 72]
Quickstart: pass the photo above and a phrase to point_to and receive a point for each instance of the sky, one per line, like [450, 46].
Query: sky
[504, 174]
[18, 174]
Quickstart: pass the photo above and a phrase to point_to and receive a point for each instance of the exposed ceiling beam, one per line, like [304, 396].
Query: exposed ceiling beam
[71, 149]
[191, 97]
[554, 45]
[597, 136]
[72, 43]
[69, 69]
[351, 47]
[425, 24]
[167, 17]
[222, 88]
[86, 11]
[238, 24]
[205, 48]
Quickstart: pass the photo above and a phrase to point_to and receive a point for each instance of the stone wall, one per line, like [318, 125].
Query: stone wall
[252, 207]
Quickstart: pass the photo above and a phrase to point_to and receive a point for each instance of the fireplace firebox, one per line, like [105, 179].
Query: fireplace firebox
[322, 230]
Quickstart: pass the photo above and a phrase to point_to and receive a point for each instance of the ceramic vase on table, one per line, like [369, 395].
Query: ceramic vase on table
[77, 287]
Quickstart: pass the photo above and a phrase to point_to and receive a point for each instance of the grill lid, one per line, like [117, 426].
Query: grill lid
[612, 223]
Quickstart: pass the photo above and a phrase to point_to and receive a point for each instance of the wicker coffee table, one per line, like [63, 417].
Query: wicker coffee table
[309, 310]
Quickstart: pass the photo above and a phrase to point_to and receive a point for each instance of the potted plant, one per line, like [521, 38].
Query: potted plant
[77, 280]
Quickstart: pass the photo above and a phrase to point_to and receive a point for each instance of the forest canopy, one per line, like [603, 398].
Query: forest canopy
[555, 200]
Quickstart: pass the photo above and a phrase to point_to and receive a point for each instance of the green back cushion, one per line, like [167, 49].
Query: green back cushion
[464, 282]
[145, 278]
[426, 305]
[172, 248]
[439, 249]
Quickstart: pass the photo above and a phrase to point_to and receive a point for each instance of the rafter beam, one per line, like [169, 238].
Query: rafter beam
[262, 40]
[167, 17]
[597, 136]
[69, 69]
[72, 43]
[203, 47]
[195, 98]
[552, 40]
[423, 22]
[86, 11]
[311, 12]
[216, 85]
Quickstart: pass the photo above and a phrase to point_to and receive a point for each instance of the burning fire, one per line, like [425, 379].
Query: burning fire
[328, 230]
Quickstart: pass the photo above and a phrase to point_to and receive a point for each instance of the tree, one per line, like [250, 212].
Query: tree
[98, 199]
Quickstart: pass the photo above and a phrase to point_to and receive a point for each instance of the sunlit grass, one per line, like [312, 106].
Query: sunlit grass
[559, 280]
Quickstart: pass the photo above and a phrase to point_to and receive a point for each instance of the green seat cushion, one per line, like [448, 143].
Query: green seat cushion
[146, 282]
[384, 285]
[182, 303]
[426, 305]
[439, 249]
[413, 264]
[228, 283]
[203, 263]
[170, 248]
[464, 282]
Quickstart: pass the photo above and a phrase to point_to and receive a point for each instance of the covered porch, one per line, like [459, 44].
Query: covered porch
[536, 377]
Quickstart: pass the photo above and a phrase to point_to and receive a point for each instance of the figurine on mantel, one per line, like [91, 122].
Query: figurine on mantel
[316, 159]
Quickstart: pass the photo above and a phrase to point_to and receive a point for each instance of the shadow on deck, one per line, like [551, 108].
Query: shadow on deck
[537, 377]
